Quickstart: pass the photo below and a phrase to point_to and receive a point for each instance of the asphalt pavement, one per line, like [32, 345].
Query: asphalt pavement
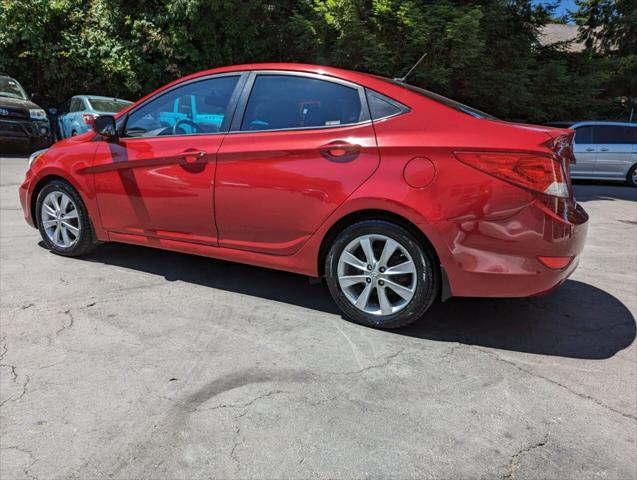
[140, 363]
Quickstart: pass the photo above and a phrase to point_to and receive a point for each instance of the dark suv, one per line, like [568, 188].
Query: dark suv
[22, 123]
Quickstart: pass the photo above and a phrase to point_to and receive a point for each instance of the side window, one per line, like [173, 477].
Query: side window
[289, 101]
[584, 135]
[75, 105]
[615, 134]
[197, 107]
[382, 107]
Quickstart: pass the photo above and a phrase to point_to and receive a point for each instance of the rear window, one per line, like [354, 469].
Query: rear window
[105, 105]
[615, 134]
[461, 107]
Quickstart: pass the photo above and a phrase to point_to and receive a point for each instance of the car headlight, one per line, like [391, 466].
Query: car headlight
[35, 155]
[37, 114]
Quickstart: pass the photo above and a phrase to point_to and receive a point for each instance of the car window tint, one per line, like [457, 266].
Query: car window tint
[381, 107]
[615, 134]
[75, 105]
[197, 107]
[106, 105]
[287, 101]
[584, 135]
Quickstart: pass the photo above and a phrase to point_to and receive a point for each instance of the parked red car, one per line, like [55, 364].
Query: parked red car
[396, 195]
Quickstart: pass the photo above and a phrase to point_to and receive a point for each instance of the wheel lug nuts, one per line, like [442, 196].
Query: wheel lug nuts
[368, 280]
[369, 267]
[382, 269]
[381, 283]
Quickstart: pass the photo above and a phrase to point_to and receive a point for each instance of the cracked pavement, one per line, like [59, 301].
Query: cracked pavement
[145, 364]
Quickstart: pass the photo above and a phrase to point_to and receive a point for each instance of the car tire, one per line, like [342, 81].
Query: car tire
[631, 178]
[374, 292]
[63, 220]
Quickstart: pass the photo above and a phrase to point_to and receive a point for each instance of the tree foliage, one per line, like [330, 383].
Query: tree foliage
[482, 52]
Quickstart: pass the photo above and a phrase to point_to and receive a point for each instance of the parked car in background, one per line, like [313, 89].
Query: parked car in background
[23, 124]
[397, 196]
[604, 150]
[76, 115]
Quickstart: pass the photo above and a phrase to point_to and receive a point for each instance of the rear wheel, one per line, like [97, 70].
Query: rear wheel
[631, 178]
[63, 220]
[380, 275]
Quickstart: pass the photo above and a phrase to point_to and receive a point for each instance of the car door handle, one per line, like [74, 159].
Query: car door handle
[191, 156]
[340, 151]
[590, 149]
[604, 149]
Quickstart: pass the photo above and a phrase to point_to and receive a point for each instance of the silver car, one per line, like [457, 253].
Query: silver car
[605, 151]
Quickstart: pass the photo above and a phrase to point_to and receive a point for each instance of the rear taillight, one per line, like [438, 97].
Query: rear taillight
[539, 173]
[89, 118]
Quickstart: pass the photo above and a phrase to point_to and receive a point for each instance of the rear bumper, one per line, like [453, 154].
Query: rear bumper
[499, 258]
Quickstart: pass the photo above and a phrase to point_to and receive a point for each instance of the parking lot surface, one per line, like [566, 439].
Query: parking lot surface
[141, 363]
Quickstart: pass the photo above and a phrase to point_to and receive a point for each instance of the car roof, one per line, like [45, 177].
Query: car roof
[338, 73]
[100, 97]
[590, 123]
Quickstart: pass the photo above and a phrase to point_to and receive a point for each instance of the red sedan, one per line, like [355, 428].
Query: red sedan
[396, 195]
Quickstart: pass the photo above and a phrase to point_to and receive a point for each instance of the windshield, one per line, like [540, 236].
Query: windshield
[108, 105]
[10, 88]
[461, 107]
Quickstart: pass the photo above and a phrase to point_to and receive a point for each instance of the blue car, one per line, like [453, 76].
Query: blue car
[181, 113]
[77, 114]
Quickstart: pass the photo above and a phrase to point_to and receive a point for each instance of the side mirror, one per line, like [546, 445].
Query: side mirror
[104, 125]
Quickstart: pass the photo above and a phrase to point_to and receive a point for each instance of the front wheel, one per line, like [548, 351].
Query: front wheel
[63, 221]
[380, 275]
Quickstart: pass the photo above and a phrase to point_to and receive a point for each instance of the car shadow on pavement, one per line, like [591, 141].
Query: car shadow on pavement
[577, 320]
[590, 190]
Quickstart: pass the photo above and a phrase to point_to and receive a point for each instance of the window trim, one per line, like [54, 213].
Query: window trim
[400, 106]
[235, 127]
[228, 117]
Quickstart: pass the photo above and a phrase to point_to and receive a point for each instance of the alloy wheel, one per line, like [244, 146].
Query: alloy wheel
[60, 219]
[377, 274]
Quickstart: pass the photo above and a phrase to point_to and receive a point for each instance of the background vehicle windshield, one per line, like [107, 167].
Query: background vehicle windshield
[106, 105]
[11, 88]
[461, 107]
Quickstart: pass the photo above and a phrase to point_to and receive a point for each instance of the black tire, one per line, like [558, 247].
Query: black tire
[86, 241]
[630, 177]
[427, 275]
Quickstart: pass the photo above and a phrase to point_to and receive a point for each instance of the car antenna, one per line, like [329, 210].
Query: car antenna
[402, 79]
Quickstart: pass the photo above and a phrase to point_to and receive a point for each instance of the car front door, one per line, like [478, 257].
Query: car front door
[585, 151]
[299, 146]
[615, 150]
[157, 180]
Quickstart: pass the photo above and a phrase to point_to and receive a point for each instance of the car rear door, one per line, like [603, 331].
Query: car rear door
[157, 180]
[300, 144]
[69, 117]
[585, 151]
[615, 150]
